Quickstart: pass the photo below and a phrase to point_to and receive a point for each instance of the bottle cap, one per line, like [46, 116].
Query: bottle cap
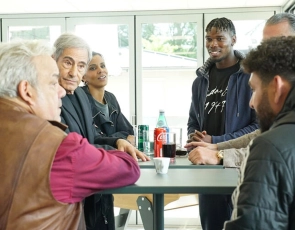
[162, 111]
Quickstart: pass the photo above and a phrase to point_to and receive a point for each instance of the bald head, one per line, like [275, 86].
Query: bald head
[279, 25]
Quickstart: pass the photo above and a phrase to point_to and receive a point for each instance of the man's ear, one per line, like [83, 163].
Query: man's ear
[233, 40]
[26, 92]
[281, 89]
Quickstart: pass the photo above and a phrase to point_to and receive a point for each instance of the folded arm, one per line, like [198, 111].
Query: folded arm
[79, 169]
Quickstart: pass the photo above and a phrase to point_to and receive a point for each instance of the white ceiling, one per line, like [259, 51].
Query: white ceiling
[58, 6]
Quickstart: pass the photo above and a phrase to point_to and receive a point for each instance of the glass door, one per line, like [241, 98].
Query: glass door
[168, 50]
[113, 37]
[32, 28]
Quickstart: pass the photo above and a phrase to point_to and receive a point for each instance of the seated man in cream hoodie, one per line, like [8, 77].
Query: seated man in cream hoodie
[229, 153]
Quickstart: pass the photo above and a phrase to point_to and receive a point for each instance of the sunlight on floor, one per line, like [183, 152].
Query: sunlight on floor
[176, 219]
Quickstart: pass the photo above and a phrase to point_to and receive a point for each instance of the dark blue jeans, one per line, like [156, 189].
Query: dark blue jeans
[214, 211]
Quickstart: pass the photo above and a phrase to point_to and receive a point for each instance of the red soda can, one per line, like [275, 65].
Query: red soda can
[158, 141]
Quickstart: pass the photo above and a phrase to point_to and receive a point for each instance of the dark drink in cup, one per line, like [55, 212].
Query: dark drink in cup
[169, 150]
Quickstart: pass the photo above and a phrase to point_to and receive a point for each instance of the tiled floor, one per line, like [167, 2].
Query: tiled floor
[179, 219]
[168, 228]
[175, 219]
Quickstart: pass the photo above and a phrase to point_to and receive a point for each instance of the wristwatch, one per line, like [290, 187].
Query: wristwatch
[219, 155]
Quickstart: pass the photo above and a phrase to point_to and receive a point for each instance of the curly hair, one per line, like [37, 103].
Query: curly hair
[274, 56]
[222, 24]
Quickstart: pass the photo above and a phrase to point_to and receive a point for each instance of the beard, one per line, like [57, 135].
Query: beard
[265, 114]
[216, 60]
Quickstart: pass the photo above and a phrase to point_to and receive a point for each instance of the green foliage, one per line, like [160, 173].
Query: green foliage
[123, 36]
[172, 38]
[159, 44]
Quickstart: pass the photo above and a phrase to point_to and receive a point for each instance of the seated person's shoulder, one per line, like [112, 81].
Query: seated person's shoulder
[110, 95]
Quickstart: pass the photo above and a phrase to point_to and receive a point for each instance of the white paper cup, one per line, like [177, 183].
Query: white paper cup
[161, 164]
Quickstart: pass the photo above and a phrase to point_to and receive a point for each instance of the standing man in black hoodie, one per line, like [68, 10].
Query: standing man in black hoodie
[219, 108]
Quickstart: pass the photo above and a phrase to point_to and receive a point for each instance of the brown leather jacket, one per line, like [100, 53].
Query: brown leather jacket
[27, 148]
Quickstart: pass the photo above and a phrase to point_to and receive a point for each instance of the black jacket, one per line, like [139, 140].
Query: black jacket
[98, 209]
[265, 197]
[70, 117]
[116, 125]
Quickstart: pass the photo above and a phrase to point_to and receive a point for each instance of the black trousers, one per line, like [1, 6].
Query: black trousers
[214, 211]
[99, 212]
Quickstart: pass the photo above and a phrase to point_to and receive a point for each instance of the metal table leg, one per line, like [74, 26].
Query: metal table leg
[158, 202]
[145, 208]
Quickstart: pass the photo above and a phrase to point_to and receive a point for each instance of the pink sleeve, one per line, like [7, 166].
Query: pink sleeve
[79, 169]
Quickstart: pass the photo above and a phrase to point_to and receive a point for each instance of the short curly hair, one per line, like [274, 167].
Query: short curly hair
[274, 56]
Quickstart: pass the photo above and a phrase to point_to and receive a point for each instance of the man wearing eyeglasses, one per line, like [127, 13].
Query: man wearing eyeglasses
[72, 55]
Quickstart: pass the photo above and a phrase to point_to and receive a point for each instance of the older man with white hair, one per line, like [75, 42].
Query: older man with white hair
[46, 173]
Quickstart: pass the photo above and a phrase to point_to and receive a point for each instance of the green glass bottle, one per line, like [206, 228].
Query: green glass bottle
[162, 123]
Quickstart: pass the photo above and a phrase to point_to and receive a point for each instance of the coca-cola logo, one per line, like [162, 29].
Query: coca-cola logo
[161, 137]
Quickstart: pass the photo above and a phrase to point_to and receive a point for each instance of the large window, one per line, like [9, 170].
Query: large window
[113, 38]
[151, 58]
[43, 29]
[168, 54]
